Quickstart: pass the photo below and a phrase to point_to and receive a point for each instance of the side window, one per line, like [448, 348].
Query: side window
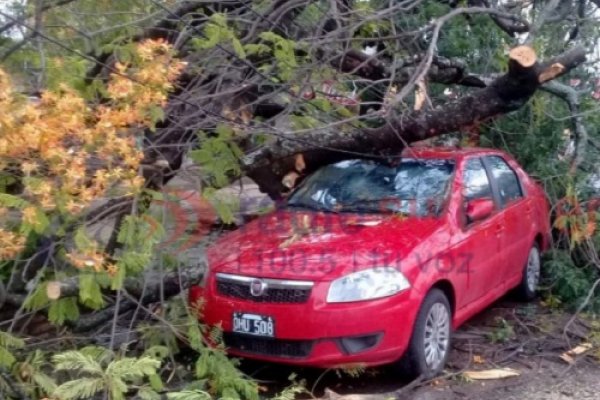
[475, 180]
[506, 180]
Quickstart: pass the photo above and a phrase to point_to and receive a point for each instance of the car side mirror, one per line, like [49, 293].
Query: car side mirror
[479, 209]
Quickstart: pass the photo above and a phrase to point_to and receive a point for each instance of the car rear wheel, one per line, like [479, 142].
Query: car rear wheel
[430, 343]
[531, 274]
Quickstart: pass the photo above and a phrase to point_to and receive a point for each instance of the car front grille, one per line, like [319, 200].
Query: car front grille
[268, 346]
[274, 291]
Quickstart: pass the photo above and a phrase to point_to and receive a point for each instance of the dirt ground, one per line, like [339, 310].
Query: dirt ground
[528, 338]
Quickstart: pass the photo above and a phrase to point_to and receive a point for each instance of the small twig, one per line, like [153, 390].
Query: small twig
[113, 330]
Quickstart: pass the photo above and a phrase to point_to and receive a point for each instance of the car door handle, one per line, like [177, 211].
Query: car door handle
[499, 229]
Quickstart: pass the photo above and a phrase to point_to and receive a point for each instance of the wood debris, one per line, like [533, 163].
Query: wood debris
[569, 356]
[489, 374]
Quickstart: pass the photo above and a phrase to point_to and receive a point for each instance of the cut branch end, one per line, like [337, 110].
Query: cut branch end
[524, 55]
[551, 72]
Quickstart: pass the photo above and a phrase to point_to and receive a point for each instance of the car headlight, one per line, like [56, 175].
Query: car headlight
[366, 285]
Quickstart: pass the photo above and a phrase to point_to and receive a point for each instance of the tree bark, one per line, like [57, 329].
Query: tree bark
[505, 94]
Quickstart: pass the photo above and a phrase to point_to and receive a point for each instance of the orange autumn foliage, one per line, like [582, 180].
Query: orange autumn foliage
[70, 152]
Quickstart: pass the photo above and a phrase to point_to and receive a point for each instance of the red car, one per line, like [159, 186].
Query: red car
[371, 262]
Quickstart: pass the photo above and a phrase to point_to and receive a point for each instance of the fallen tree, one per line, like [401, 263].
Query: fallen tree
[270, 90]
[258, 85]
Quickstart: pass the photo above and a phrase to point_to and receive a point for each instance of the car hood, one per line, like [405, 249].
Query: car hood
[320, 246]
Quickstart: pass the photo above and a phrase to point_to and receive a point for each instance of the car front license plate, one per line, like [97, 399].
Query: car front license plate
[253, 324]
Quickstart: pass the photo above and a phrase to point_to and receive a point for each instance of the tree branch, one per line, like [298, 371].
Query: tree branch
[580, 136]
[505, 94]
[18, 21]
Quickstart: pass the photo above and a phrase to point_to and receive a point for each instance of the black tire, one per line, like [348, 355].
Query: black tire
[528, 287]
[414, 363]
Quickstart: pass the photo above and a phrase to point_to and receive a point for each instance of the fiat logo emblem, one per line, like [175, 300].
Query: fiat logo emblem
[257, 287]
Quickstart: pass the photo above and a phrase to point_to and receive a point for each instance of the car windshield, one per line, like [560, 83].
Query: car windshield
[414, 186]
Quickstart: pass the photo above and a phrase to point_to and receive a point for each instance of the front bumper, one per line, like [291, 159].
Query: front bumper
[315, 333]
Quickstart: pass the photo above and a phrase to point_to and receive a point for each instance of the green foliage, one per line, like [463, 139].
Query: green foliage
[216, 33]
[189, 395]
[284, 51]
[293, 390]
[139, 235]
[101, 373]
[502, 333]
[219, 155]
[90, 293]
[61, 310]
[567, 281]
[224, 206]
[33, 375]
[38, 299]
[8, 343]
[214, 369]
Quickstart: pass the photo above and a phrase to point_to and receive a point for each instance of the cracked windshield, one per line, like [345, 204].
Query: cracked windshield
[413, 186]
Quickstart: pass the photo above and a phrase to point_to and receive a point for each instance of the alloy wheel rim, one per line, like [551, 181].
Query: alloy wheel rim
[533, 269]
[437, 335]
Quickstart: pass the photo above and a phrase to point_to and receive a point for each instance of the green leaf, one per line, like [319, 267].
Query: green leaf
[129, 368]
[257, 49]
[90, 293]
[224, 206]
[156, 115]
[7, 359]
[39, 226]
[9, 341]
[155, 382]
[83, 388]
[81, 240]
[62, 310]
[284, 51]
[217, 32]
[118, 279]
[117, 387]
[230, 393]
[38, 299]
[46, 383]
[219, 155]
[238, 48]
[11, 201]
[146, 393]
[321, 104]
[303, 122]
[101, 354]
[189, 395]
[77, 361]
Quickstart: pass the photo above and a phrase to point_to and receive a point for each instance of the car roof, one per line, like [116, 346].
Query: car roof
[447, 152]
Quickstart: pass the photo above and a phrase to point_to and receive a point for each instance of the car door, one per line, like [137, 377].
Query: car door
[516, 216]
[481, 238]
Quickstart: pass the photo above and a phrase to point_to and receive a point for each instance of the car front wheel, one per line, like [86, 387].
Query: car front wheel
[531, 274]
[430, 343]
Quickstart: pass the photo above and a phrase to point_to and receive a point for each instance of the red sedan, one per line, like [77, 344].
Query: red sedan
[371, 263]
